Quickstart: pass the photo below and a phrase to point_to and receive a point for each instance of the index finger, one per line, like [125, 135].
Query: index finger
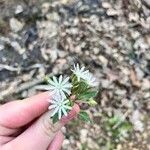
[19, 113]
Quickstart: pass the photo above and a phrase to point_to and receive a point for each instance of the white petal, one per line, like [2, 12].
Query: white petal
[55, 80]
[59, 114]
[54, 101]
[57, 93]
[66, 101]
[74, 66]
[57, 98]
[82, 69]
[67, 85]
[65, 80]
[51, 82]
[55, 111]
[67, 107]
[86, 72]
[67, 91]
[63, 96]
[78, 68]
[60, 79]
[52, 106]
[64, 111]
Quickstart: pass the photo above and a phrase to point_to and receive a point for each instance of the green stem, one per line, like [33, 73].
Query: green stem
[81, 101]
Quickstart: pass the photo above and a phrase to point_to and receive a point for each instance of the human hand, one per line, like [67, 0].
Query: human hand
[25, 125]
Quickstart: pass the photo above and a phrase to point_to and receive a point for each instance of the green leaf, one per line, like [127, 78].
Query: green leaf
[87, 95]
[84, 116]
[74, 79]
[55, 118]
[126, 126]
[114, 120]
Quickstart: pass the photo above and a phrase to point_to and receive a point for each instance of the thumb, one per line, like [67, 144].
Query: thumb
[40, 134]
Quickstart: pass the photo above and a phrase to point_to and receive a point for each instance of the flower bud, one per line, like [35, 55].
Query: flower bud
[92, 102]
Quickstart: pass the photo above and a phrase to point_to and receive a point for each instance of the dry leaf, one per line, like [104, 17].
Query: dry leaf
[134, 79]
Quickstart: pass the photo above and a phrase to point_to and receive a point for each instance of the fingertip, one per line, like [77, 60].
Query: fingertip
[57, 141]
[23, 112]
[40, 96]
[76, 108]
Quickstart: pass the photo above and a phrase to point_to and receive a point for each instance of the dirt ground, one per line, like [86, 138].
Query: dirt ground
[109, 37]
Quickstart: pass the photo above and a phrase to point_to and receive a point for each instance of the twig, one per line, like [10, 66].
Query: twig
[9, 90]
[15, 88]
[10, 68]
[28, 85]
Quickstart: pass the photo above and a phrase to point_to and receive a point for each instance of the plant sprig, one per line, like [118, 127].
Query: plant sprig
[82, 85]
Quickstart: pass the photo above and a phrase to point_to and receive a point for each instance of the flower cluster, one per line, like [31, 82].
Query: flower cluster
[80, 85]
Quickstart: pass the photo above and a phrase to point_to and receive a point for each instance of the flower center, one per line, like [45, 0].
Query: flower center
[59, 87]
[60, 104]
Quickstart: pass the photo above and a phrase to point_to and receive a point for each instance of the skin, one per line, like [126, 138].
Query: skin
[26, 125]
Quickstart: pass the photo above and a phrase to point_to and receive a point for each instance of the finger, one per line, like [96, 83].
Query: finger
[42, 132]
[18, 113]
[57, 141]
[4, 139]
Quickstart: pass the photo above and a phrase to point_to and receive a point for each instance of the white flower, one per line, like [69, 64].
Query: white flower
[59, 105]
[90, 79]
[60, 86]
[79, 72]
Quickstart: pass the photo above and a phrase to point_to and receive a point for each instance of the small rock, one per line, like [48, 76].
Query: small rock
[53, 55]
[45, 7]
[62, 54]
[119, 147]
[120, 92]
[1, 47]
[53, 17]
[112, 12]
[139, 73]
[135, 119]
[83, 135]
[96, 50]
[125, 70]
[77, 49]
[147, 95]
[106, 5]
[103, 60]
[133, 16]
[66, 143]
[74, 31]
[15, 25]
[92, 144]
[135, 34]
[19, 9]
[146, 84]
[105, 83]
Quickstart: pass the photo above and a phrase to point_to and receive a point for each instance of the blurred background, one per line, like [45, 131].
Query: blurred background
[109, 37]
